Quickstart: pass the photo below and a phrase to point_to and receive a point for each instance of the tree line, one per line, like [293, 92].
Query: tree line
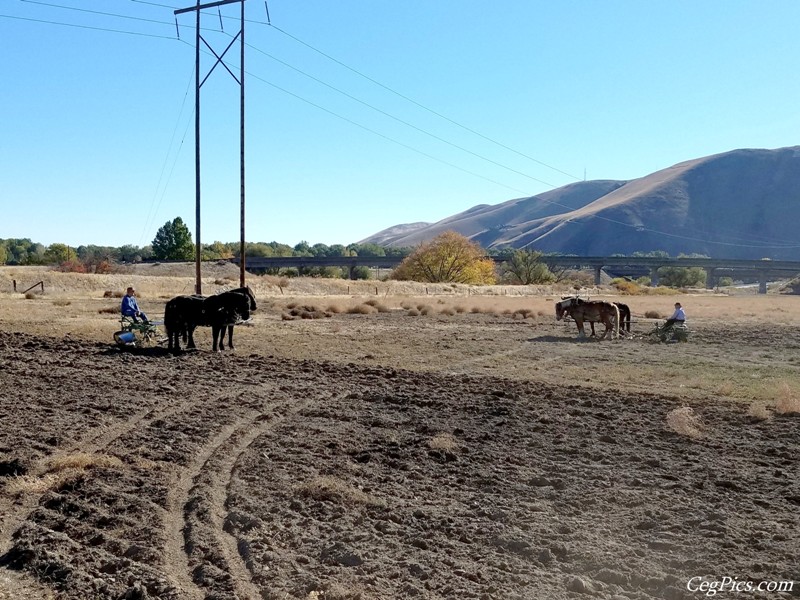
[173, 241]
[450, 257]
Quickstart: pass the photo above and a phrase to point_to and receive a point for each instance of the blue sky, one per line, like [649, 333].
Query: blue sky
[363, 114]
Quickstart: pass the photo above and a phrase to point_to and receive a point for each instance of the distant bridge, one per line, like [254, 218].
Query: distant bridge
[714, 267]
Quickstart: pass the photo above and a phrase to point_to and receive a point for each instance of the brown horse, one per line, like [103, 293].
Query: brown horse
[594, 311]
[624, 318]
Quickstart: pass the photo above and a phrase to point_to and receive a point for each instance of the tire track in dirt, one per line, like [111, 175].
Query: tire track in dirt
[212, 552]
[176, 555]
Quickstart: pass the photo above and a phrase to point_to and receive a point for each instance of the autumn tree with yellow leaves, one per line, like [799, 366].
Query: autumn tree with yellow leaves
[448, 258]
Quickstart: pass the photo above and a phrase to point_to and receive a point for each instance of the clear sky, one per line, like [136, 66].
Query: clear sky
[363, 114]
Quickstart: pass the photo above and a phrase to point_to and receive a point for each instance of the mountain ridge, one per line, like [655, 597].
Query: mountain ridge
[739, 204]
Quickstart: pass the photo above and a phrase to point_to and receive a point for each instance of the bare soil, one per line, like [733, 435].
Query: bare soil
[387, 455]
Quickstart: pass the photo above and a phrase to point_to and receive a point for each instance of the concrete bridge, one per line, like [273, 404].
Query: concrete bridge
[714, 267]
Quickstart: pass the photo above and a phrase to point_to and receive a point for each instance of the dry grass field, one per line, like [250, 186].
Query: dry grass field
[381, 440]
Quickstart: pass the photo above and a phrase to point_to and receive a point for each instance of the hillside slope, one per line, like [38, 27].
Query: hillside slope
[738, 204]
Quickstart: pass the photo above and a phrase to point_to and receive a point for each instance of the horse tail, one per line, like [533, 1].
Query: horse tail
[616, 321]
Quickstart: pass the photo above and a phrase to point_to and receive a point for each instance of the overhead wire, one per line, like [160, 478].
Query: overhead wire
[372, 131]
[49, 22]
[153, 209]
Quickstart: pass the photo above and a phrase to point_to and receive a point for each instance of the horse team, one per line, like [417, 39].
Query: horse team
[221, 312]
[183, 314]
[614, 315]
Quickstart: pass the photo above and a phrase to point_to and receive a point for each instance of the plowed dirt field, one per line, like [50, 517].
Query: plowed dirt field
[391, 456]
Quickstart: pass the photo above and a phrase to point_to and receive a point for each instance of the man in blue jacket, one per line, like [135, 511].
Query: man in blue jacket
[130, 308]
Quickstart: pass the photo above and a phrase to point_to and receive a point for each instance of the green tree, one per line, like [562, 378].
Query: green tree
[524, 267]
[59, 253]
[3, 253]
[449, 257]
[129, 253]
[173, 241]
[682, 277]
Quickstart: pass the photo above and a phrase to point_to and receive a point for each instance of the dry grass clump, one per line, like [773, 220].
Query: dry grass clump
[62, 302]
[625, 287]
[425, 309]
[788, 402]
[334, 309]
[331, 489]
[476, 310]
[362, 309]
[304, 312]
[448, 311]
[443, 441]
[413, 312]
[758, 411]
[59, 472]
[683, 421]
[382, 308]
[109, 310]
[460, 309]
[653, 314]
[31, 296]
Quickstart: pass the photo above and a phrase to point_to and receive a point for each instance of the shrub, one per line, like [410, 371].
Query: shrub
[623, 286]
[361, 309]
[72, 266]
[683, 421]
[758, 411]
[653, 314]
[361, 272]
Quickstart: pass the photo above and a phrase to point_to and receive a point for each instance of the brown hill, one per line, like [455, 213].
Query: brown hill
[738, 204]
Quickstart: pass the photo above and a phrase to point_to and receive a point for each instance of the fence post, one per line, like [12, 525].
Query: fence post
[14, 281]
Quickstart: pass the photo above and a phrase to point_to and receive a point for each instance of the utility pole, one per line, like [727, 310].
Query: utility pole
[198, 84]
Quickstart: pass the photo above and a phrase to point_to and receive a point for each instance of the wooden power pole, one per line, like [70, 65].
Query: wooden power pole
[198, 84]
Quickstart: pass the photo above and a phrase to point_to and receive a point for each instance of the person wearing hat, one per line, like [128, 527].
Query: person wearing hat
[677, 317]
[130, 308]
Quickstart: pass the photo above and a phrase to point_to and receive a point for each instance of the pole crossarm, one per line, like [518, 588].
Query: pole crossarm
[219, 59]
[204, 6]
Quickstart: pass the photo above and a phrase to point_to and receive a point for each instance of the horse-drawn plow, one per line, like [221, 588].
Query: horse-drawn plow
[669, 333]
[139, 334]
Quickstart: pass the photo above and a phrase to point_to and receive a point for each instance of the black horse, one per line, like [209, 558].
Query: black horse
[183, 314]
[245, 291]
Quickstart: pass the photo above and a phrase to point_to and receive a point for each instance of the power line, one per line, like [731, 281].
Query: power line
[313, 78]
[354, 123]
[418, 104]
[152, 35]
[399, 120]
[385, 137]
[153, 210]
